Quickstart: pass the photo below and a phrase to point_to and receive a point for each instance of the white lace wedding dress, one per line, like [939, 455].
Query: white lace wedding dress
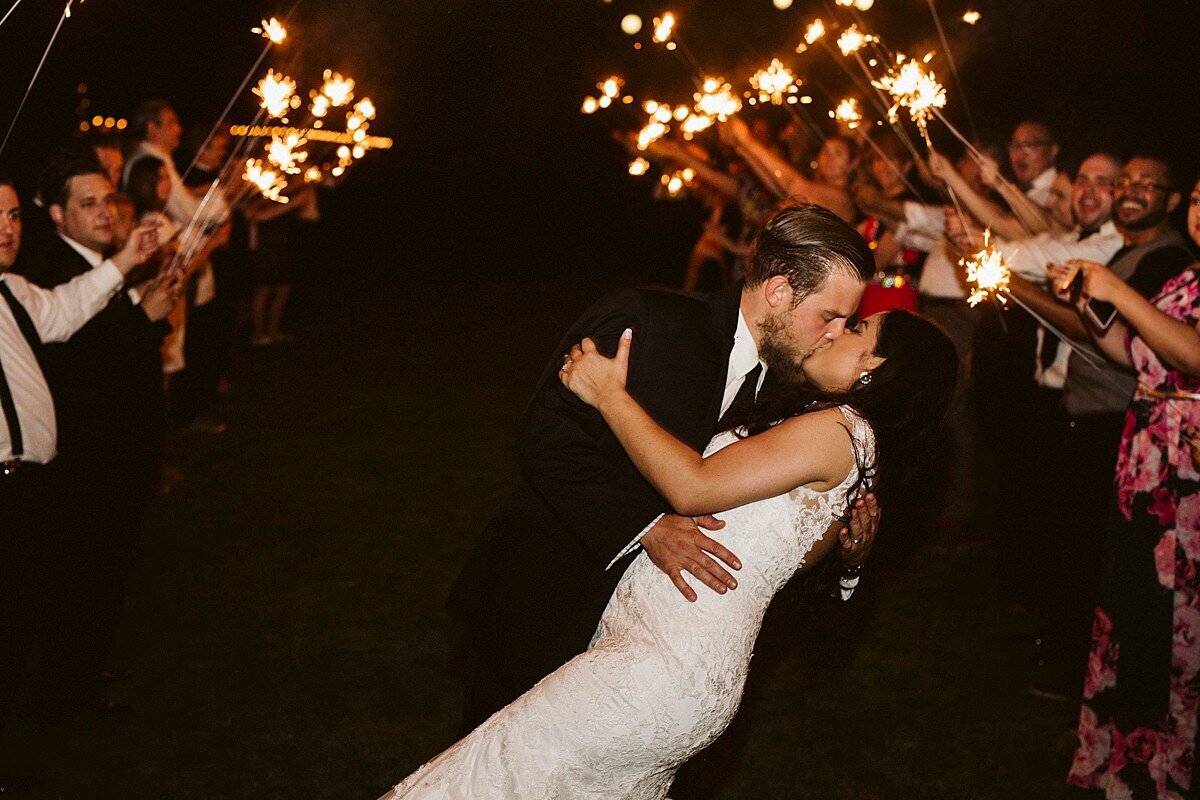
[661, 679]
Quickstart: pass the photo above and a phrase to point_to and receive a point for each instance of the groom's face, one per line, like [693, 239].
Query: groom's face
[794, 332]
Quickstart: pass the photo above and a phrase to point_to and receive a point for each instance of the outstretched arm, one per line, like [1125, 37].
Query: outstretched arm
[752, 469]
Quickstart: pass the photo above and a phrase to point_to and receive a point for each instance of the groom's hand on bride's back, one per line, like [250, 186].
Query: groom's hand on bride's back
[677, 545]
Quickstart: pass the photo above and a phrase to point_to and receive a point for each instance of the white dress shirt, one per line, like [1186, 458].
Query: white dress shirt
[1039, 190]
[743, 358]
[56, 313]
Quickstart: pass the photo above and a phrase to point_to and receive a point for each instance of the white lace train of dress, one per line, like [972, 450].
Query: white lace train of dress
[660, 681]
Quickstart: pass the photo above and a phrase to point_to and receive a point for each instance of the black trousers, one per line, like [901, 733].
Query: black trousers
[26, 573]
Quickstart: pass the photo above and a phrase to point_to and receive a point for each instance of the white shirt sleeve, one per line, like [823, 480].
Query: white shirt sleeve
[637, 540]
[57, 313]
[1029, 257]
[922, 227]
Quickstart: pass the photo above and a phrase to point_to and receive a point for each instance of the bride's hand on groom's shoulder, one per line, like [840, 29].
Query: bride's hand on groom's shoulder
[592, 376]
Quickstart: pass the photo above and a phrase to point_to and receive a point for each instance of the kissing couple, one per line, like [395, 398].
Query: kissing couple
[648, 421]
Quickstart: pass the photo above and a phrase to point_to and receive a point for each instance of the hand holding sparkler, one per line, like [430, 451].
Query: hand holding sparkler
[988, 272]
[160, 295]
[138, 249]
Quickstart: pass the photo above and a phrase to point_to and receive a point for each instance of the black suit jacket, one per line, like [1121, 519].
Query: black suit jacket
[107, 379]
[539, 573]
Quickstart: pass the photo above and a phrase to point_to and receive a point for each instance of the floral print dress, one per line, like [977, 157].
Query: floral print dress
[1137, 727]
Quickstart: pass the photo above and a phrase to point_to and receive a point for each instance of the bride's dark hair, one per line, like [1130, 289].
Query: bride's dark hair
[904, 400]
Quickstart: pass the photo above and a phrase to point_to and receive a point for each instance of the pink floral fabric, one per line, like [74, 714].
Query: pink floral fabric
[1158, 484]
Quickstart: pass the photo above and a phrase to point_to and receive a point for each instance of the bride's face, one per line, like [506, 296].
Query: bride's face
[835, 367]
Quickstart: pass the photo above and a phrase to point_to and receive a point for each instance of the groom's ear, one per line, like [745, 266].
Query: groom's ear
[778, 292]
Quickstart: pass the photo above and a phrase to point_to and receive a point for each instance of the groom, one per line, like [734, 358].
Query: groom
[534, 589]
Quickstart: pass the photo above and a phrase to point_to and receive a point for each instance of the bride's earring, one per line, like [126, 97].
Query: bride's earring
[865, 378]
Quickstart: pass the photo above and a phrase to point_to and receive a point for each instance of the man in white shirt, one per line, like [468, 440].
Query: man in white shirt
[30, 316]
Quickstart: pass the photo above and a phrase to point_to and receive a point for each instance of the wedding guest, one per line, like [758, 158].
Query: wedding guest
[889, 166]
[273, 231]
[1137, 727]
[107, 149]
[829, 185]
[108, 401]
[31, 496]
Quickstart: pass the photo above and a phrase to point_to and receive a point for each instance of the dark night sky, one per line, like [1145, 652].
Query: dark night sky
[495, 171]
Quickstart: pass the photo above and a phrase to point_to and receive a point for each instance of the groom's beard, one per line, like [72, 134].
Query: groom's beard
[777, 349]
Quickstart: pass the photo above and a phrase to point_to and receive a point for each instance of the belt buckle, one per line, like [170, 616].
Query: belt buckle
[10, 466]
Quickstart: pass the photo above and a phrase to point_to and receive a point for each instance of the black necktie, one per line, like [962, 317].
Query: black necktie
[744, 397]
[25, 324]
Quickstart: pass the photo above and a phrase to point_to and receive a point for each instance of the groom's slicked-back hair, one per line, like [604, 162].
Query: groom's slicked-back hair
[806, 244]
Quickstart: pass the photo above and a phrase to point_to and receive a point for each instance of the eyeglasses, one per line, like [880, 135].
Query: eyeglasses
[1142, 185]
[1027, 147]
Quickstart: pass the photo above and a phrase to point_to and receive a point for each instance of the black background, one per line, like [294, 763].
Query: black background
[496, 175]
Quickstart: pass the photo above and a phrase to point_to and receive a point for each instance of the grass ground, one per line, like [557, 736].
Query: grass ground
[285, 631]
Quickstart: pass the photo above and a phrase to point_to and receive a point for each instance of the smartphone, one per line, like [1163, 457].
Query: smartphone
[1100, 312]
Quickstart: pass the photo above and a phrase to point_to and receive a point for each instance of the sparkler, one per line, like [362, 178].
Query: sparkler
[716, 99]
[664, 28]
[283, 154]
[861, 5]
[847, 113]
[988, 272]
[814, 31]
[774, 82]
[852, 40]
[338, 89]
[271, 29]
[652, 132]
[269, 182]
[913, 88]
[638, 166]
[277, 91]
[971, 17]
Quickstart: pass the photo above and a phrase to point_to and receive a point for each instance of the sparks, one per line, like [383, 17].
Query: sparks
[861, 5]
[652, 132]
[852, 40]
[338, 89]
[611, 87]
[283, 154]
[988, 273]
[313, 175]
[847, 112]
[774, 82]
[664, 28]
[914, 88]
[271, 29]
[814, 31]
[716, 99]
[971, 17]
[276, 91]
[638, 166]
[269, 182]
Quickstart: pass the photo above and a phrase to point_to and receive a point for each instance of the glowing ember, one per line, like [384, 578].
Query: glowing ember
[852, 40]
[987, 272]
[971, 17]
[694, 124]
[914, 88]
[338, 89]
[664, 28]
[276, 91]
[638, 166]
[848, 113]
[271, 29]
[269, 182]
[589, 105]
[611, 87]
[774, 82]
[313, 175]
[716, 99]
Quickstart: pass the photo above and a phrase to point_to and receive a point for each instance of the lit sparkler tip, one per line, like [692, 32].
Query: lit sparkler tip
[638, 166]
[664, 28]
[848, 113]
[271, 29]
[987, 272]
[277, 92]
[774, 82]
[852, 40]
[971, 17]
[914, 88]
[339, 89]
[717, 99]
[814, 31]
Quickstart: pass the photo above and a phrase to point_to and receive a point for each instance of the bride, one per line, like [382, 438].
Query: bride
[663, 677]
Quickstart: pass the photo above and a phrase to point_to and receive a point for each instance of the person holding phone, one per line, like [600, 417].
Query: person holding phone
[1137, 727]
